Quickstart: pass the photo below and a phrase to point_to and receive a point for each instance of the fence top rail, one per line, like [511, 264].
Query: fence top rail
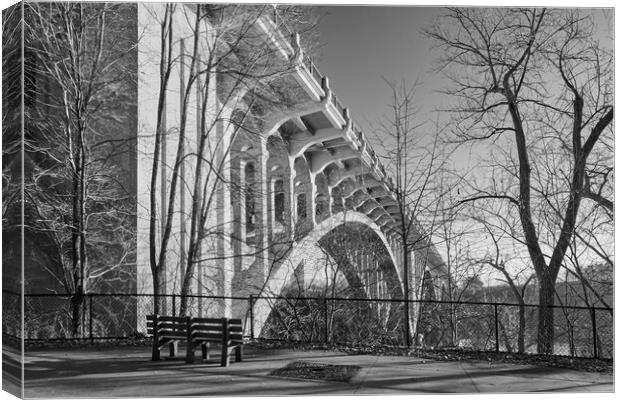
[427, 301]
[298, 298]
[99, 294]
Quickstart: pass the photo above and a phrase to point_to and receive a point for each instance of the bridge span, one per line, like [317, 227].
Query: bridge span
[291, 181]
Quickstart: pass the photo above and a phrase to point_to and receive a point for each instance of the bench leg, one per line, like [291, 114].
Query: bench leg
[173, 348]
[205, 351]
[239, 353]
[189, 352]
[156, 352]
[225, 358]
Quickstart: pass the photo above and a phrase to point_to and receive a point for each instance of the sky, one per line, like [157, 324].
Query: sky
[363, 45]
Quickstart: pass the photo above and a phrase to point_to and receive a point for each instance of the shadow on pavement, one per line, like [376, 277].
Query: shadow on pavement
[130, 372]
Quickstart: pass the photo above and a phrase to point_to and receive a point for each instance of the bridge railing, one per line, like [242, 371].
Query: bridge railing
[309, 64]
[289, 34]
[499, 327]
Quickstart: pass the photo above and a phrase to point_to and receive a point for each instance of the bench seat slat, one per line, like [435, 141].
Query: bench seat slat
[169, 332]
[203, 336]
[170, 339]
[172, 334]
[163, 333]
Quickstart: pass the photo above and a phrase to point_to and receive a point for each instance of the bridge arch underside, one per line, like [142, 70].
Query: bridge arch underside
[345, 256]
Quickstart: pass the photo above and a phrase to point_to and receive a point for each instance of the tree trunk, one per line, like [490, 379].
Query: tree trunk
[521, 336]
[406, 325]
[185, 290]
[156, 294]
[77, 238]
[546, 292]
[76, 310]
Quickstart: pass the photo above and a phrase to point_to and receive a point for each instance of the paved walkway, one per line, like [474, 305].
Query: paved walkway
[128, 372]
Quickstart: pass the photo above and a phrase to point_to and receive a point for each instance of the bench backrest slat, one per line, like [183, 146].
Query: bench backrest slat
[201, 327]
[171, 319]
[217, 321]
[167, 318]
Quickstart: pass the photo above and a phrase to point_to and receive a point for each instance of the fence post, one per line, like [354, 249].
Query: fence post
[496, 328]
[90, 317]
[174, 305]
[594, 335]
[251, 300]
[326, 332]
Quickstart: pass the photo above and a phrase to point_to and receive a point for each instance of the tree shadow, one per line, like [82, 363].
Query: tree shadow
[87, 372]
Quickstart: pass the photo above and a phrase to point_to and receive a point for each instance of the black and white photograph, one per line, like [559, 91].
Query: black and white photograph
[295, 199]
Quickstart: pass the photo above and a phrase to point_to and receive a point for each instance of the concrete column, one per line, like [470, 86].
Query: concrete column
[311, 200]
[330, 201]
[242, 206]
[270, 205]
[321, 187]
[382, 284]
[364, 267]
[360, 268]
[263, 221]
[225, 220]
[291, 198]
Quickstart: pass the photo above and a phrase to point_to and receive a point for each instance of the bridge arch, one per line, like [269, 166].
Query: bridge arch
[304, 249]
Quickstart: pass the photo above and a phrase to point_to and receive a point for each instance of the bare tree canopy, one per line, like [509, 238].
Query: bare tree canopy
[535, 87]
[79, 99]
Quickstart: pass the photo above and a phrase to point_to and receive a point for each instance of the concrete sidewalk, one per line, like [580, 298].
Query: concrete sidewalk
[128, 372]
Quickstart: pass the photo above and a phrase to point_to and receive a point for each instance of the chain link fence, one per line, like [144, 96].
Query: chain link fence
[501, 327]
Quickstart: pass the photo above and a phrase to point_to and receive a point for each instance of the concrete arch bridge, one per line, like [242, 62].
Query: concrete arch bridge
[307, 203]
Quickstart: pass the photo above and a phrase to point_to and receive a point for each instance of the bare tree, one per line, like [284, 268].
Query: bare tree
[415, 160]
[12, 156]
[251, 73]
[78, 93]
[233, 73]
[531, 80]
[456, 235]
[511, 276]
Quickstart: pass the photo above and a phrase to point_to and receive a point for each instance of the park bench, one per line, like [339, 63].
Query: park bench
[224, 331]
[196, 332]
[166, 330]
